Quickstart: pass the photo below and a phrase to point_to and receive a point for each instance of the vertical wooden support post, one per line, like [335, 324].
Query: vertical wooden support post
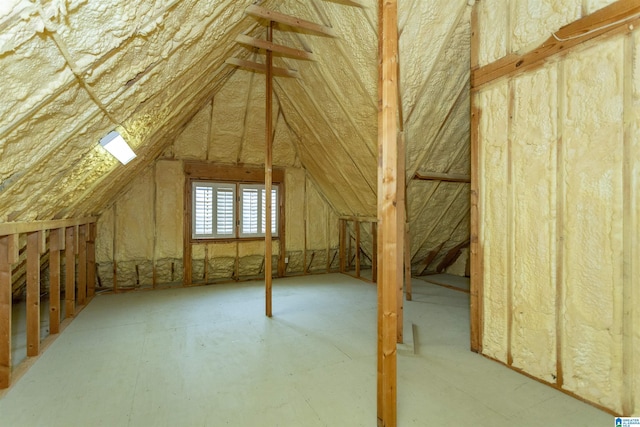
[374, 252]
[8, 256]
[91, 261]
[82, 264]
[475, 246]
[56, 244]
[389, 272]
[343, 245]
[70, 272]
[357, 225]
[268, 175]
[34, 242]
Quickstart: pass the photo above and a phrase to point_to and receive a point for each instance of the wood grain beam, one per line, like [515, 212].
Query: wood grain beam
[446, 177]
[268, 166]
[353, 3]
[33, 293]
[256, 66]
[267, 45]
[620, 17]
[6, 259]
[56, 245]
[390, 273]
[291, 21]
[8, 228]
[476, 289]
[70, 271]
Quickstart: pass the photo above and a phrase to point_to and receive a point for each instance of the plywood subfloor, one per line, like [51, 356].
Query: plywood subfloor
[207, 356]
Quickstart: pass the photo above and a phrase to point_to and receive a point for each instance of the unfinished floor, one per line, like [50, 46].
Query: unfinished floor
[207, 356]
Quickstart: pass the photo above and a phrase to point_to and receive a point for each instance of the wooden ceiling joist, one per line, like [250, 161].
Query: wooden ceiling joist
[267, 45]
[291, 21]
[255, 66]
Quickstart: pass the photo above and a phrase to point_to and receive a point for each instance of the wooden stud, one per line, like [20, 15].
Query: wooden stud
[387, 210]
[56, 244]
[402, 215]
[33, 292]
[290, 21]
[82, 264]
[70, 272]
[13, 248]
[630, 280]
[305, 222]
[328, 234]
[511, 220]
[343, 245]
[444, 177]
[187, 270]
[282, 252]
[475, 249]
[266, 45]
[619, 17]
[268, 165]
[407, 263]
[357, 225]
[91, 261]
[374, 252]
[349, 251]
[6, 259]
[560, 226]
[255, 66]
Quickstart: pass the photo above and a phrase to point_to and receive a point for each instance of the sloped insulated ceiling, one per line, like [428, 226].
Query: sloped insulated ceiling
[75, 69]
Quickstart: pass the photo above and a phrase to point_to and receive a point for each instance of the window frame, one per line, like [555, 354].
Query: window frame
[234, 175]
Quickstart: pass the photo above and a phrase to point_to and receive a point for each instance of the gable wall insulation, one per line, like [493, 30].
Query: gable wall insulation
[142, 229]
[559, 167]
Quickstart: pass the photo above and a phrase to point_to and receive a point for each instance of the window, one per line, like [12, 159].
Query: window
[217, 213]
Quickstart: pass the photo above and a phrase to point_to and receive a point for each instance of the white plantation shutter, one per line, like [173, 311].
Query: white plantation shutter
[253, 210]
[225, 218]
[249, 211]
[217, 213]
[203, 210]
[213, 210]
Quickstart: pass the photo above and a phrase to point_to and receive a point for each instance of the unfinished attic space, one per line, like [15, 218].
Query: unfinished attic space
[331, 213]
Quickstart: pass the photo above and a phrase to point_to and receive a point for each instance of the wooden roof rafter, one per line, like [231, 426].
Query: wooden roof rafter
[256, 66]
